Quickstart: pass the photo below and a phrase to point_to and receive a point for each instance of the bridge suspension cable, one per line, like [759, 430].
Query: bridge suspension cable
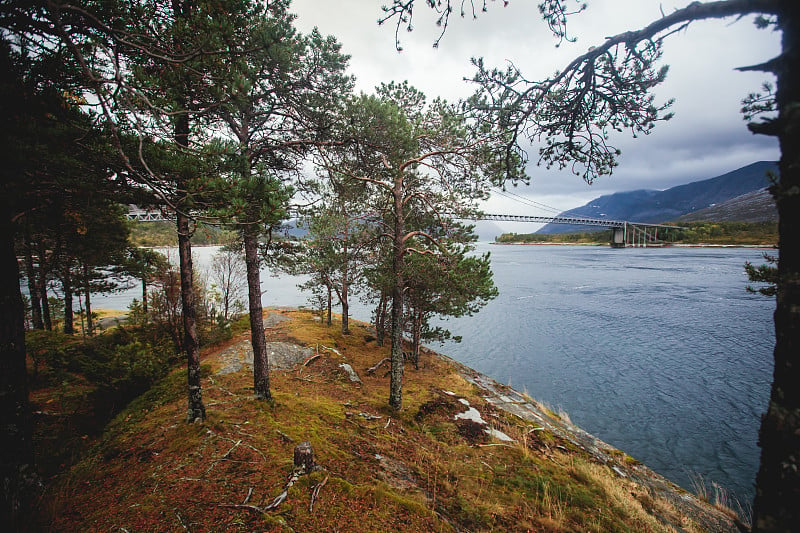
[526, 201]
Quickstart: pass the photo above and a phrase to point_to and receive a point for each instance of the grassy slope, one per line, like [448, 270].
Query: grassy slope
[414, 471]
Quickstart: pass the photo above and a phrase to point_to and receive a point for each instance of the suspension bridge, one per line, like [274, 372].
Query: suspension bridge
[623, 233]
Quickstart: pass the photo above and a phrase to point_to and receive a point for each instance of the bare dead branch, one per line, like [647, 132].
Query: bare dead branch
[315, 493]
[371, 370]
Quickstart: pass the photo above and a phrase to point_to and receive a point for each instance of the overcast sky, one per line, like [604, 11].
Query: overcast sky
[706, 138]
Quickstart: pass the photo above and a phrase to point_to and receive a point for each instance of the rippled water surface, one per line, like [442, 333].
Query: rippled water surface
[659, 352]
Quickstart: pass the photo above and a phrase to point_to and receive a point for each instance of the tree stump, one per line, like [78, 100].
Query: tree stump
[304, 457]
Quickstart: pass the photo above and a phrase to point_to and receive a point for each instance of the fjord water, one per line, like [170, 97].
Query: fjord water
[659, 351]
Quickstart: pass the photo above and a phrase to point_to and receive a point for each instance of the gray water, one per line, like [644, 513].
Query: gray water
[660, 351]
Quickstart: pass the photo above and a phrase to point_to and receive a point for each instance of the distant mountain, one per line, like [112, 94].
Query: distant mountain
[756, 206]
[663, 206]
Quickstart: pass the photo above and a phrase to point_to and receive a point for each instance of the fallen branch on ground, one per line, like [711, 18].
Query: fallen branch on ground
[225, 456]
[303, 464]
[312, 359]
[217, 435]
[315, 493]
[334, 350]
[284, 436]
[371, 370]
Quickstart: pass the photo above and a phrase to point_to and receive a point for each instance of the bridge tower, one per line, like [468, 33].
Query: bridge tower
[618, 236]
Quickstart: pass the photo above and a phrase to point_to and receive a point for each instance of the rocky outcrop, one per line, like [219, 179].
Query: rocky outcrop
[511, 401]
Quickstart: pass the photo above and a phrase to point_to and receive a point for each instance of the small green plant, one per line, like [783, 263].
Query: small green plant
[47, 348]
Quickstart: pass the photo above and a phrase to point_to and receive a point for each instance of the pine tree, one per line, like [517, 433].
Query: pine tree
[276, 98]
[414, 157]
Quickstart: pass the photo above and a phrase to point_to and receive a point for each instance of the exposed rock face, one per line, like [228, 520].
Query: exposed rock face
[273, 319]
[282, 355]
[351, 374]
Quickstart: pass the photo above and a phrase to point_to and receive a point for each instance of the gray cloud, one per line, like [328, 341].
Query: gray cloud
[705, 139]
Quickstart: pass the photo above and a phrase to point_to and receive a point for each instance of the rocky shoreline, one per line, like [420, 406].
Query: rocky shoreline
[285, 355]
[506, 398]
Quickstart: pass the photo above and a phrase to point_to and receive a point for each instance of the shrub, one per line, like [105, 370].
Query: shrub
[118, 364]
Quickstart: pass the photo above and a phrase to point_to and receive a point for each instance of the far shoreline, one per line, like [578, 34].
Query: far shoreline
[600, 245]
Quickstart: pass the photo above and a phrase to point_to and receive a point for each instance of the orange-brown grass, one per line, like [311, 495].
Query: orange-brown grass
[413, 470]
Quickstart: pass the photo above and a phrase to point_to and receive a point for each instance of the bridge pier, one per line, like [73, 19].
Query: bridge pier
[618, 237]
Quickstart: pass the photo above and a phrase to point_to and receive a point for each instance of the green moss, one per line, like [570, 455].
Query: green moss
[545, 436]
[630, 461]
[444, 432]
[274, 522]
[473, 514]
[342, 486]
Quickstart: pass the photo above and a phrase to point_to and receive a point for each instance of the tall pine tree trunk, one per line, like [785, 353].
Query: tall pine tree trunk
[416, 336]
[380, 319]
[88, 301]
[33, 285]
[66, 284]
[17, 472]
[226, 299]
[345, 286]
[48, 324]
[329, 310]
[398, 285]
[196, 410]
[46, 315]
[257, 338]
[777, 502]
[396, 371]
[345, 311]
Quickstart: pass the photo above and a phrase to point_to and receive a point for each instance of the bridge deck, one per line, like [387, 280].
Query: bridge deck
[141, 215]
[602, 222]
